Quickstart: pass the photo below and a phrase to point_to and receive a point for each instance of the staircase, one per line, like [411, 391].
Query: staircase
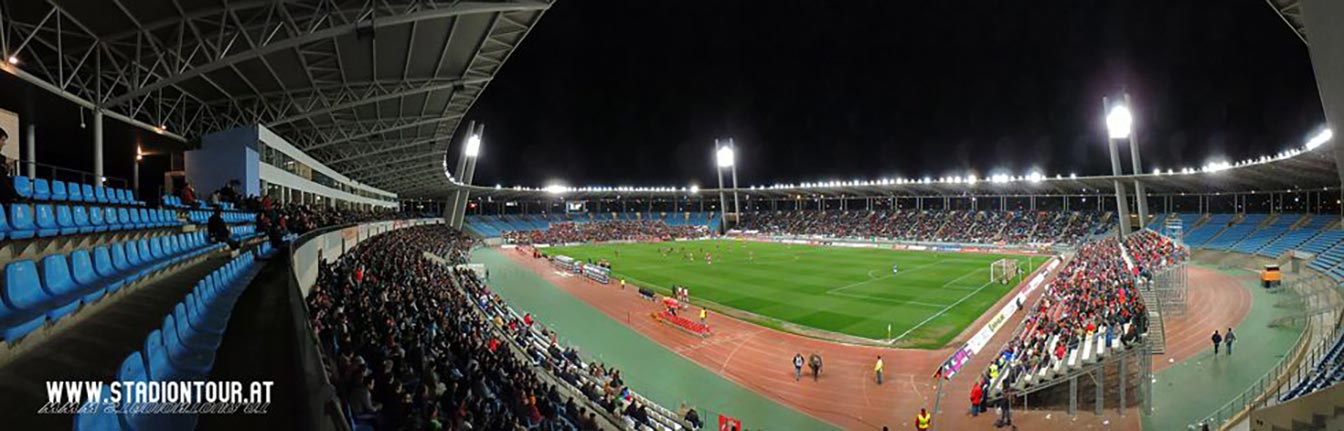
[1157, 338]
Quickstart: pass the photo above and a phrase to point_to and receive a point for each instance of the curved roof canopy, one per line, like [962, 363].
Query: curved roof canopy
[1305, 169]
[373, 89]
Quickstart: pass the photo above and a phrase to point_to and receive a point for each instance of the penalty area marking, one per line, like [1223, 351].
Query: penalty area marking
[940, 313]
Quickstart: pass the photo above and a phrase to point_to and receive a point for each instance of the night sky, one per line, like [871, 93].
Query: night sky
[634, 93]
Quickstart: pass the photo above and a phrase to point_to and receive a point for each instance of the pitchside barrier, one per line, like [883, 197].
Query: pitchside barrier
[977, 342]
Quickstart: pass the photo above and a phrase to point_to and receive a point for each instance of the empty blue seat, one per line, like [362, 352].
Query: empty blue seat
[58, 190]
[96, 219]
[66, 220]
[81, 270]
[112, 218]
[124, 217]
[87, 190]
[41, 189]
[74, 193]
[105, 268]
[189, 352]
[21, 309]
[100, 194]
[59, 286]
[136, 222]
[144, 218]
[45, 219]
[121, 260]
[21, 224]
[81, 216]
[4, 223]
[23, 186]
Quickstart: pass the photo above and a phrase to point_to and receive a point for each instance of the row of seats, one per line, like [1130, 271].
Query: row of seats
[202, 216]
[25, 221]
[182, 349]
[66, 282]
[1326, 372]
[176, 202]
[39, 189]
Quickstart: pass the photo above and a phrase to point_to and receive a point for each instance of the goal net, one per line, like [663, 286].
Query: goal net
[1003, 270]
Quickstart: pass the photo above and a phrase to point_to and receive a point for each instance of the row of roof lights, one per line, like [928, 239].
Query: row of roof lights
[1034, 176]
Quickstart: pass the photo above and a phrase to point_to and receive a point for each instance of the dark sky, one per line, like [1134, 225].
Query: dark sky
[634, 92]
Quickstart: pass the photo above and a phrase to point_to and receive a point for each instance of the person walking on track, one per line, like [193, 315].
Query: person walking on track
[923, 421]
[877, 368]
[797, 366]
[815, 363]
[1217, 340]
[1228, 339]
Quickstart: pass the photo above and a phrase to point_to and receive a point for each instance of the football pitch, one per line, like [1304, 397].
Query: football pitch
[930, 299]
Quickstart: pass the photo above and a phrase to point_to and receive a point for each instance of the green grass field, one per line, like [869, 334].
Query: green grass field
[933, 297]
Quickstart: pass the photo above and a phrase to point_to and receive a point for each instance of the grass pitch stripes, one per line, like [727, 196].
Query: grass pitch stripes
[848, 290]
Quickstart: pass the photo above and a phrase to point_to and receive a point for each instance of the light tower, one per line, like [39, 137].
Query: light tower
[466, 168]
[1119, 124]
[724, 155]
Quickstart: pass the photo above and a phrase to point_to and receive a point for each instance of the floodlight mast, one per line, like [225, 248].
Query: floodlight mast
[466, 168]
[1118, 123]
[1140, 194]
[723, 157]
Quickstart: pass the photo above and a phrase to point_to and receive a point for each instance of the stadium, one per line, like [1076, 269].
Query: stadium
[269, 215]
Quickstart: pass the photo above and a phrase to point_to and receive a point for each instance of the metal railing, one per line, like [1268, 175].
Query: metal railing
[1269, 387]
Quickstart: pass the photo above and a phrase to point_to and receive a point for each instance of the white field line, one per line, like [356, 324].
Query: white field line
[940, 313]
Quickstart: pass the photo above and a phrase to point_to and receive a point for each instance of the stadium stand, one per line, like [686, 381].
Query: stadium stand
[1201, 233]
[1297, 237]
[1238, 231]
[931, 225]
[1090, 310]
[182, 349]
[474, 365]
[608, 230]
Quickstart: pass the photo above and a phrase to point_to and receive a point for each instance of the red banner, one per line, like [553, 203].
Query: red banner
[729, 423]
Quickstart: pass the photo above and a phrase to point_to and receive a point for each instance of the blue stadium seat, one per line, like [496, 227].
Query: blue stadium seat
[124, 217]
[41, 189]
[190, 353]
[58, 190]
[21, 221]
[4, 223]
[144, 218]
[113, 219]
[23, 186]
[81, 269]
[73, 192]
[100, 194]
[45, 219]
[81, 217]
[121, 260]
[87, 191]
[66, 220]
[134, 216]
[96, 220]
[21, 309]
[59, 286]
[106, 269]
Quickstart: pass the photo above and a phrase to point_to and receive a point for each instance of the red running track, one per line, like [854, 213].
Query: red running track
[846, 394]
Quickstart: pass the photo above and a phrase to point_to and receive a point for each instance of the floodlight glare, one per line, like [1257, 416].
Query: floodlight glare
[725, 157]
[1319, 139]
[13, 59]
[473, 146]
[1119, 121]
[555, 189]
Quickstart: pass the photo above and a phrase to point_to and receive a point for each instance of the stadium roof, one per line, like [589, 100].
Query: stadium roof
[373, 89]
[1311, 168]
[1291, 12]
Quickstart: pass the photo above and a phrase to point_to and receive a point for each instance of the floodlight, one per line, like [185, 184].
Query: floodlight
[1035, 176]
[725, 157]
[1119, 121]
[555, 189]
[473, 146]
[13, 59]
[1319, 139]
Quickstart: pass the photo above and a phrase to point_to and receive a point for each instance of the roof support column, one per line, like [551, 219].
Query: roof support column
[30, 145]
[98, 148]
[1121, 202]
[1322, 18]
[466, 180]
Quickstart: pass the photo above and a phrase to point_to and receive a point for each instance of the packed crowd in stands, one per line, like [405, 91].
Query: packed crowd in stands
[1150, 250]
[1093, 294]
[413, 344]
[1014, 227]
[611, 230]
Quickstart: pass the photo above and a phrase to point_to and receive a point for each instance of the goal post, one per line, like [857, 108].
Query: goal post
[1003, 270]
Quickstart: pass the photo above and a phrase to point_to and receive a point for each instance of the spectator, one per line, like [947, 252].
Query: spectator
[219, 230]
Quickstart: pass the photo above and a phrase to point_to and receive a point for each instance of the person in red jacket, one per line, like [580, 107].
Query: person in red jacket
[976, 394]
